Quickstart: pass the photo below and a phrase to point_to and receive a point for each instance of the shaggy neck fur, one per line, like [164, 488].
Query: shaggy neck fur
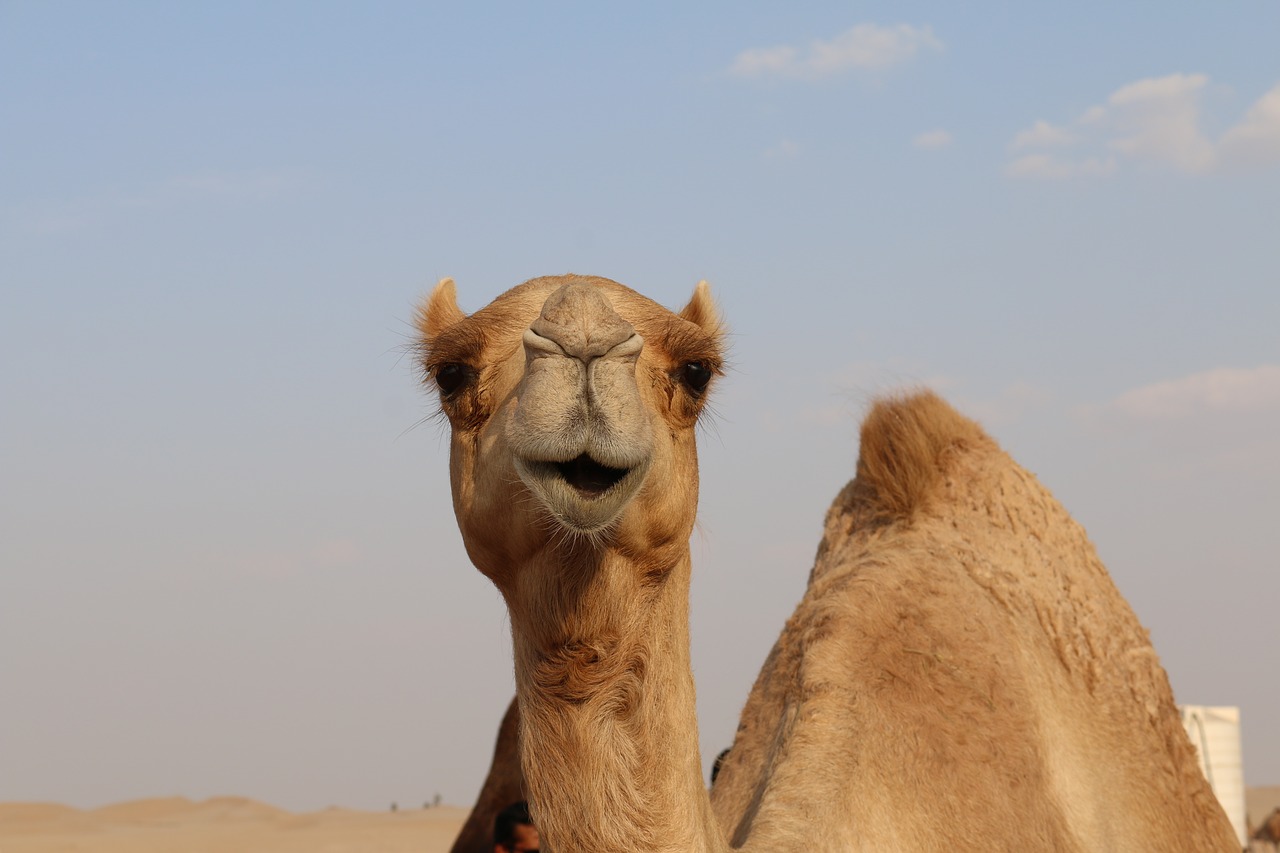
[609, 740]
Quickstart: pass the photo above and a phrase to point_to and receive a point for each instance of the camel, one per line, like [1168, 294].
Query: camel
[961, 673]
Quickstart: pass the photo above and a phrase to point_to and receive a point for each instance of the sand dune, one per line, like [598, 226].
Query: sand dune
[13, 814]
[237, 824]
[221, 825]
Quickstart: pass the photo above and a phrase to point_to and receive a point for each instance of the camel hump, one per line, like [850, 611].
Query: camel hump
[908, 445]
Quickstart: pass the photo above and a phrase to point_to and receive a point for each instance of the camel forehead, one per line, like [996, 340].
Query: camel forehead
[496, 329]
[521, 305]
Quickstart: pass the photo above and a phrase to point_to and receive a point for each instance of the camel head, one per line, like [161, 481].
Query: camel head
[572, 403]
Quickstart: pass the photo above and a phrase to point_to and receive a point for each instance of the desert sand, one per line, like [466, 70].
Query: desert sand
[237, 825]
[222, 825]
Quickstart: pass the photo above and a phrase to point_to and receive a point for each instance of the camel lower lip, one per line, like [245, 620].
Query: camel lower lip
[582, 494]
[588, 477]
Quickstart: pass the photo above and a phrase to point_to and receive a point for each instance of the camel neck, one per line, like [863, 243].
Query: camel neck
[609, 736]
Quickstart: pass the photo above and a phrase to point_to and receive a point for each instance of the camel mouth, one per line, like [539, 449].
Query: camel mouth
[582, 494]
[588, 477]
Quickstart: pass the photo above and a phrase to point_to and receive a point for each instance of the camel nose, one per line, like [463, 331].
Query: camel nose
[580, 320]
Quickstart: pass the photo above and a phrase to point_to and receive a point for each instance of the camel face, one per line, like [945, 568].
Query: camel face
[580, 437]
[572, 403]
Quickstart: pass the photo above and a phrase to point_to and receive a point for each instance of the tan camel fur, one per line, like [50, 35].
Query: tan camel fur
[960, 675]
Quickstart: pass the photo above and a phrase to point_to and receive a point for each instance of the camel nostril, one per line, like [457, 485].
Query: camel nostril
[589, 476]
[579, 320]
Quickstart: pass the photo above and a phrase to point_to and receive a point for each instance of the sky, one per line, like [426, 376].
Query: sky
[228, 560]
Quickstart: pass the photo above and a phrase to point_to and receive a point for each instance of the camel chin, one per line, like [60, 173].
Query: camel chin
[582, 495]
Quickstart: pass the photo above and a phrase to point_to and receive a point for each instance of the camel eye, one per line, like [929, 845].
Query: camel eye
[451, 376]
[695, 375]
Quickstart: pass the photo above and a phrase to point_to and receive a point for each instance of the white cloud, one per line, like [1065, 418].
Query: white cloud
[1093, 115]
[1172, 87]
[865, 47]
[1255, 142]
[764, 61]
[1156, 122]
[1039, 166]
[1041, 135]
[1049, 167]
[931, 140]
[1224, 391]
[1159, 120]
[1218, 425]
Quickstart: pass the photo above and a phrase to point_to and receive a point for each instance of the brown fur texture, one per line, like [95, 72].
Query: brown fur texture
[961, 674]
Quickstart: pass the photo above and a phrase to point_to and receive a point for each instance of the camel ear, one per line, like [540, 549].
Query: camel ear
[702, 311]
[441, 310]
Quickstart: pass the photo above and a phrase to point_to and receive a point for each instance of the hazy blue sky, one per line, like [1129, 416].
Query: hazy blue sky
[228, 562]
